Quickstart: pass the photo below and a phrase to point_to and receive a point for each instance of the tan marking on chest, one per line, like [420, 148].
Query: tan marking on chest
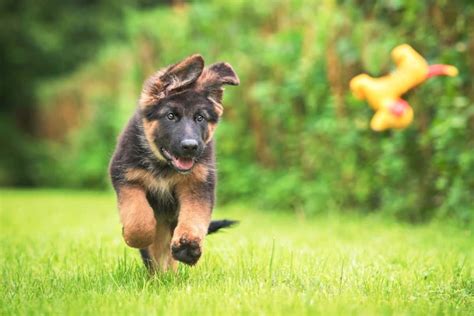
[150, 182]
[165, 185]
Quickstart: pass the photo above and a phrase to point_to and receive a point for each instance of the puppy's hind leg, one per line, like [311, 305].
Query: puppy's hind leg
[157, 256]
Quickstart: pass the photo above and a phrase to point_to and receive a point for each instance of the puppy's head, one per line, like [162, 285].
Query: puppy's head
[181, 106]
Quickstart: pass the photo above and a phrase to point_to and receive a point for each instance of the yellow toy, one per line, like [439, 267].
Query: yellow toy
[384, 94]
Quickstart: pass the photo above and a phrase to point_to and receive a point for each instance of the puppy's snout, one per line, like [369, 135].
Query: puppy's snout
[189, 146]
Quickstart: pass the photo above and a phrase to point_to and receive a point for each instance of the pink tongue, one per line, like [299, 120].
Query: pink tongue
[184, 164]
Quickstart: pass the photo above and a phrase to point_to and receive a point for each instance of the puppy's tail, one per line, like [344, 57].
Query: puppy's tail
[216, 225]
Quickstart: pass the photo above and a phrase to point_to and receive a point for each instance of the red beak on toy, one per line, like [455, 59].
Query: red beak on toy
[398, 108]
[441, 70]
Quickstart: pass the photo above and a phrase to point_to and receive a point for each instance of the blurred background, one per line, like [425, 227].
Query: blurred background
[293, 137]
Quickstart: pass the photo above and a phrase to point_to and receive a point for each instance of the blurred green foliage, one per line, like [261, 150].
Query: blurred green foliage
[293, 136]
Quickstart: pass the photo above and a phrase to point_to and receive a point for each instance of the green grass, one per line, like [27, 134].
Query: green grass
[61, 253]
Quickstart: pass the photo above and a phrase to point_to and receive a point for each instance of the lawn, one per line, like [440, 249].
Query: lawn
[61, 253]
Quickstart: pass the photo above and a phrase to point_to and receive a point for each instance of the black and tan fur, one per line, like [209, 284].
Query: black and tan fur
[166, 210]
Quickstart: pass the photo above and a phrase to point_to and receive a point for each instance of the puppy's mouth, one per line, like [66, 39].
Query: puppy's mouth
[180, 164]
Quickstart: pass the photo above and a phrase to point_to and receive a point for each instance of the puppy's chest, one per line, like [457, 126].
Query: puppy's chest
[164, 202]
[160, 191]
[163, 186]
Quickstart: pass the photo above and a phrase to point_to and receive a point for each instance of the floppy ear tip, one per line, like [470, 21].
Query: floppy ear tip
[231, 76]
[197, 59]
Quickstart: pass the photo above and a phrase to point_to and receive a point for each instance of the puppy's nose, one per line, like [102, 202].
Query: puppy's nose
[189, 145]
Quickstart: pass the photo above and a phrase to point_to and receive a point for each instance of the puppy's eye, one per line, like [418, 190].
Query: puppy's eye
[170, 116]
[199, 118]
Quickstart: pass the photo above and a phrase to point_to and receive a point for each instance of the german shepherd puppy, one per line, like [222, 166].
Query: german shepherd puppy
[163, 168]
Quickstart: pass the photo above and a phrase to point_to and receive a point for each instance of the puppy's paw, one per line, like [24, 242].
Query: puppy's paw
[187, 250]
[139, 236]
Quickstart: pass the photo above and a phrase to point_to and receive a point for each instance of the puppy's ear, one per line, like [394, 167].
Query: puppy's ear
[173, 77]
[212, 80]
[222, 73]
[183, 73]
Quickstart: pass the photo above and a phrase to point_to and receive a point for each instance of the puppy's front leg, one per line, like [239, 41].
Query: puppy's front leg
[193, 222]
[137, 217]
